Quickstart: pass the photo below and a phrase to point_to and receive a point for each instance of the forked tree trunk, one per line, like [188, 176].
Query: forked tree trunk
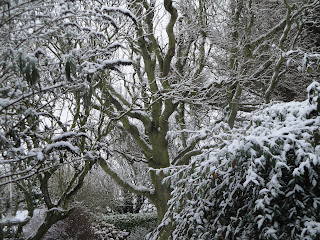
[51, 218]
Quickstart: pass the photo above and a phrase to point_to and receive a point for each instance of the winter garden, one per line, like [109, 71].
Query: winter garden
[159, 119]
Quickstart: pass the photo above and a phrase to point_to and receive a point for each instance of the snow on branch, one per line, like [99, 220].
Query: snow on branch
[67, 135]
[185, 155]
[61, 145]
[123, 11]
[13, 220]
[140, 190]
[108, 64]
[93, 67]
[5, 103]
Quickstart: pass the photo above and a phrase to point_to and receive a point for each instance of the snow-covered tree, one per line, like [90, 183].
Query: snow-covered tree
[50, 52]
[167, 80]
[269, 52]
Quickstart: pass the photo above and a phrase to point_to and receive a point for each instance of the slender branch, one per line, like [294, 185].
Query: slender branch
[31, 94]
[134, 131]
[281, 59]
[185, 155]
[69, 192]
[172, 40]
[132, 188]
[118, 101]
[234, 105]
[130, 157]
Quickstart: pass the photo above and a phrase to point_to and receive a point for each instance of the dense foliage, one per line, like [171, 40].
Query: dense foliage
[261, 182]
[129, 221]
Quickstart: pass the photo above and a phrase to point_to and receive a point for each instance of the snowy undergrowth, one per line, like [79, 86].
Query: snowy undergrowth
[137, 224]
[261, 182]
[129, 221]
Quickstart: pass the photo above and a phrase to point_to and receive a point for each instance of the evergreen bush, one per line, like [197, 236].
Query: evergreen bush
[261, 182]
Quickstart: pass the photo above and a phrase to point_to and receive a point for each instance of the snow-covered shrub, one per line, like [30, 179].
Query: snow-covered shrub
[109, 231]
[261, 182]
[129, 221]
[138, 233]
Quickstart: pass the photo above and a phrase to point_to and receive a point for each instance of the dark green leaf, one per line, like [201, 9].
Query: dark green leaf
[35, 74]
[28, 73]
[68, 69]
[22, 64]
[32, 74]
[73, 69]
[273, 162]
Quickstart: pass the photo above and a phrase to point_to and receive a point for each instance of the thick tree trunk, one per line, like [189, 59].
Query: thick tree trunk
[160, 199]
[163, 189]
[161, 196]
[51, 218]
